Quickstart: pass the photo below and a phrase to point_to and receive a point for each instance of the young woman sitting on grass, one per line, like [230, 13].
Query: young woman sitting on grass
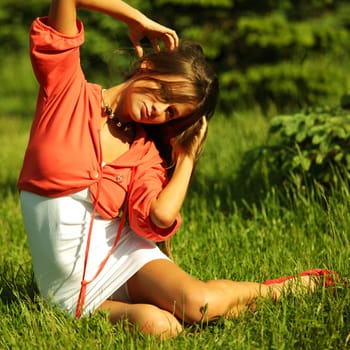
[98, 156]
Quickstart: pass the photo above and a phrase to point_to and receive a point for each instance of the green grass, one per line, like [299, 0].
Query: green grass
[230, 230]
[18, 88]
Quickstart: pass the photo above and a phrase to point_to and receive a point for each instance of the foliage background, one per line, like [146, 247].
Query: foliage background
[272, 56]
[226, 234]
[280, 54]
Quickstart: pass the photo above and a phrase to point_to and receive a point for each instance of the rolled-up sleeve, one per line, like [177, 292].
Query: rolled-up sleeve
[147, 183]
[55, 56]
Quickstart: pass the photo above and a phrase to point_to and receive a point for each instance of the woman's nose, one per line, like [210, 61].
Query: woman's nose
[158, 108]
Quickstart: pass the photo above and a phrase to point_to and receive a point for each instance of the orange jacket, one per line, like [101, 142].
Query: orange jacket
[64, 151]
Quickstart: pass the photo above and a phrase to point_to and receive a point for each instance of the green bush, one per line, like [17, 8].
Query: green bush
[288, 62]
[286, 54]
[312, 146]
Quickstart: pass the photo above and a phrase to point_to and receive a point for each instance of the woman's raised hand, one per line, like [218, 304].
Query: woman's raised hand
[155, 33]
[199, 139]
[191, 141]
[62, 17]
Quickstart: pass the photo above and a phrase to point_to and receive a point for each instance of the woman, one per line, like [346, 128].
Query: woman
[98, 156]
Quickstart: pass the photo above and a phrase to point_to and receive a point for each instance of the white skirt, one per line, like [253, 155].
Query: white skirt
[57, 230]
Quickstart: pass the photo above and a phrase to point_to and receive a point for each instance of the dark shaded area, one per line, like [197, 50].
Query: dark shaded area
[257, 48]
[8, 187]
[227, 193]
[16, 284]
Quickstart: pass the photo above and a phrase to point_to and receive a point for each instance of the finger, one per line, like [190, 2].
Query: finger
[135, 40]
[176, 39]
[139, 50]
[171, 41]
[173, 38]
[155, 45]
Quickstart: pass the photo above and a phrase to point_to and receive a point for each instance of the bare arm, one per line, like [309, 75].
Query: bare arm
[63, 14]
[166, 207]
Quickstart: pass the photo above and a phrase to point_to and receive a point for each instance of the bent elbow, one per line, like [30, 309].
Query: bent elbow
[163, 219]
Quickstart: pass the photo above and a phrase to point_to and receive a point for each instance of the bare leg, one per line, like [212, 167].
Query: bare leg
[166, 285]
[163, 293]
[148, 318]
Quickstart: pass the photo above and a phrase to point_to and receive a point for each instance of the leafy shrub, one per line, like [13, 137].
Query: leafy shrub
[310, 146]
[287, 61]
[285, 85]
[284, 54]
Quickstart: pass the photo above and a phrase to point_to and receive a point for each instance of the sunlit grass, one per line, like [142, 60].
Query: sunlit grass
[226, 234]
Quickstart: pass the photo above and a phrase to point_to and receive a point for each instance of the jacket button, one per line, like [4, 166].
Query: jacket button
[94, 174]
[120, 178]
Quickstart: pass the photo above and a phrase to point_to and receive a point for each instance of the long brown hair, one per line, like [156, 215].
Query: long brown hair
[200, 86]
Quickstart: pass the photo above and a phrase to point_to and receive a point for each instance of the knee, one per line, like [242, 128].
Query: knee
[151, 320]
[198, 304]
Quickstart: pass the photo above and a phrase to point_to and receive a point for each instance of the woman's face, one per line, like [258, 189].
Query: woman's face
[145, 106]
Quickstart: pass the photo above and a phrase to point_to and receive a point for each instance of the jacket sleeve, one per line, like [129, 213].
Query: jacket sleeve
[148, 181]
[55, 57]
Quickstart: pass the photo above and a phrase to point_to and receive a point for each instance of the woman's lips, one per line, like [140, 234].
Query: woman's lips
[144, 112]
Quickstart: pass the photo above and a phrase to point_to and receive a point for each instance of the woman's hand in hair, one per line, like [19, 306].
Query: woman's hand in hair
[191, 141]
[155, 33]
[186, 151]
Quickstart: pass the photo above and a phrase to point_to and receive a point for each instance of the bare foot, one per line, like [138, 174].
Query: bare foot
[296, 285]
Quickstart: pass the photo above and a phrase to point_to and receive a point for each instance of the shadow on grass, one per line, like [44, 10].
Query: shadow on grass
[256, 184]
[8, 187]
[17, 284]
[16, 279]
[226, 193]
